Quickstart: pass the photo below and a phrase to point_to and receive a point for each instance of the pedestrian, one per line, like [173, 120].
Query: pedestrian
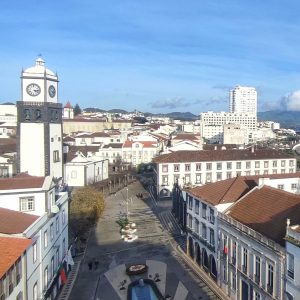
[96, 264]
[90, 265]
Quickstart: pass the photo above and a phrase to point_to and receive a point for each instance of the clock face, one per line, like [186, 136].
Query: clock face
[33, 89]
[51, 91]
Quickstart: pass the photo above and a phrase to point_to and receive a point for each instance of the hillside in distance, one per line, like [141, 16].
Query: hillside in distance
[288, 119]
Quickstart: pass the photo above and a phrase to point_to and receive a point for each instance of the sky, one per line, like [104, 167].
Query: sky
[158, 55]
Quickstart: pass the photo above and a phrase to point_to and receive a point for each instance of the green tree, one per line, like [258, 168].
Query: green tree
[86, 207]
[77, 110]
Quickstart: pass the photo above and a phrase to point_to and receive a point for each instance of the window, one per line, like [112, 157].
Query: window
[52, 266]
[45, 239]
[219, 176]
[10, 281]
[294, 186]
[257, 269]
[233, 253]
[46, 277]
[196, 226]
[290, 265]
[64, 245]
[20, 296]
[257, 295]
[229, 166]
[204, 207]
[266, 164]
[238, 165]
[26, 203]
[190, 221]
[51, 231]
[198, 178]
[187, 179]
[165, 179]
[176, 168]
[257, 164]
[197, 205]
[208, 177]
[203, 231]
[211, 216]
[137, 145]
[274, 171]
[188, 167]
[18, 271]
[291, 163]
[280, 186]
[248, 164]
[233, 280]
[176, 178]
[208, 166]
[190, 203]
[165, 168]
[245, 260]
[228, 175]
[283, 163]
[57, 224]
[56, 156]
[198, 167]
[34, 252]
[57, 257]
[270, 278]
[35, 291]
[211, 237]
[219, 166]
[274, 164]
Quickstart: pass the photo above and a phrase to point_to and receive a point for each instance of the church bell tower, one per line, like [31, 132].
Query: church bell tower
[39, 131]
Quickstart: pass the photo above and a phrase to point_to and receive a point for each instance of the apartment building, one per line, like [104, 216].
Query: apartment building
[192, 168]
[212, 124]
[236, 231]
[243, 99]
[42, 214]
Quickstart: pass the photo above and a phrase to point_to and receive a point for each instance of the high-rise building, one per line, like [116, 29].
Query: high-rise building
[39, 128]
[243, 99]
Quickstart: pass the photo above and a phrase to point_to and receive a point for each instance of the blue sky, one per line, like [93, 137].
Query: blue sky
[156, 56]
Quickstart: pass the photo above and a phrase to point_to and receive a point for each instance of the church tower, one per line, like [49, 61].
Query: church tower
[39, 131]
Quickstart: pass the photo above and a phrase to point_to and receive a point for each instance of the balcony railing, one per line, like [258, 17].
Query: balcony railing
[291, 273]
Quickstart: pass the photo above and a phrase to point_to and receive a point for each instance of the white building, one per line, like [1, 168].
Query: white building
[83, 170]
[48, 209]
[212, 124]
[40, 123]
[8, 113]
[236, 232]
[68, 112]
[234, 134]
[190, 168]
[292, 262]
[243, 99]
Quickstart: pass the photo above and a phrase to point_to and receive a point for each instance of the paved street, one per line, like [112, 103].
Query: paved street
[153, 247]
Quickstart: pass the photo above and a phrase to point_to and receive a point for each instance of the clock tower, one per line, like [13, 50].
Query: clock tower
[39, 131]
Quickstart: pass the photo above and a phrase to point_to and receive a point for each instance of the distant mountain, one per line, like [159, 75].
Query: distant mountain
[288, 119]
[176, 115]
[93, 110]
[117, 111]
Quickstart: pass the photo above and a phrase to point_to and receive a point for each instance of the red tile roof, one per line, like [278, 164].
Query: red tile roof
[146, 144]
[225, 191]
[221, 155]
[266, 211]
[231, 190]
[186, 136]
[10, 250]
[68, 105]
[13, 222]
[21, 181]
[100, 134]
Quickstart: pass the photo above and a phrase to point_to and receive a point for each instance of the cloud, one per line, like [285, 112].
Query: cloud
[291, 101]
[215, 100]
[170, 103]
